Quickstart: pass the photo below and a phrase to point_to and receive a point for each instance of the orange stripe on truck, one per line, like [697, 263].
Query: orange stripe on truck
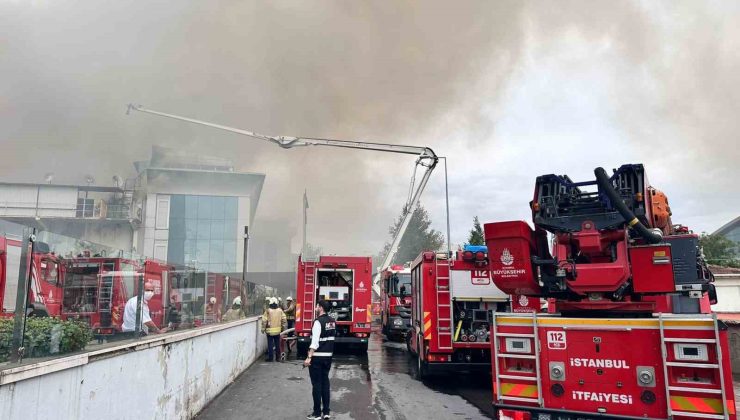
[698, 405]
[519, 390]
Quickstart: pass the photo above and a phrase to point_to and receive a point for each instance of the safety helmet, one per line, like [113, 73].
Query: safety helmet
[289, 298]
[237, 301]
[267, 299]
[273, 301]
[212, 300]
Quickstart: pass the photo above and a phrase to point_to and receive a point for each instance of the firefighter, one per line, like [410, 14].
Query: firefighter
[212, 312]
[129, 313]
[273, 323]
[290, 315]
[235, 312]
[320, 353]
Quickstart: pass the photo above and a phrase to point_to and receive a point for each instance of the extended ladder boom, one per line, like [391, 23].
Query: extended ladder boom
[426, 158]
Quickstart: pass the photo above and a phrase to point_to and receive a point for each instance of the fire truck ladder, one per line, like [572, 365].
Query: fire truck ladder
[444, 307]
[105, 299]
[535, 355]
[667, 364]
[309, 290]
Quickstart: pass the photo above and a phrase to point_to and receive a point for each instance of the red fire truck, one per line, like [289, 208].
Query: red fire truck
[631, 337]
[45, 281]
[453, 302]
[96, 289]
[345, 282]
[395, 300]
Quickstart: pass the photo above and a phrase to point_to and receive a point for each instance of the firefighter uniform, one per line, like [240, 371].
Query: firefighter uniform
[273, 323]
[322, 341]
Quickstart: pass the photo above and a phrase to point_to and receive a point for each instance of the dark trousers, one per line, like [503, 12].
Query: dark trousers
[319, 371]
[273, 346]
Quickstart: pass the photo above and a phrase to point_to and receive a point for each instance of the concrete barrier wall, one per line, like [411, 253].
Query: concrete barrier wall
[165, 377]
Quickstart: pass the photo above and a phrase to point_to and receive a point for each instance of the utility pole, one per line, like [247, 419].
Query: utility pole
[21, 300]
[245, 266]
[305, 223]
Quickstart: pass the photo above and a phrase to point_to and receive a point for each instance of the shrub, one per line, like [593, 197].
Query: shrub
[45, 337]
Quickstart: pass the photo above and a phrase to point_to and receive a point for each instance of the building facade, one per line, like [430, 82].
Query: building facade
[184, 209]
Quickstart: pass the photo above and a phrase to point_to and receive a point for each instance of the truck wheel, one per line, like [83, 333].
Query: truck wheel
[301, 350]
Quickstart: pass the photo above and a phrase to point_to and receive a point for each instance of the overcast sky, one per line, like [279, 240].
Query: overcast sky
[506, 90]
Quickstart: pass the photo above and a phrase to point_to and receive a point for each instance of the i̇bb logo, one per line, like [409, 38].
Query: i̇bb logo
[506, 257]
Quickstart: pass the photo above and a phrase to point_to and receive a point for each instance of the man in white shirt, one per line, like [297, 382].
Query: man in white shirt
[129, 313]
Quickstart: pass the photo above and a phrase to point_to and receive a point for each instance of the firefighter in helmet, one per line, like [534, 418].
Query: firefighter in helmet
[273, 323]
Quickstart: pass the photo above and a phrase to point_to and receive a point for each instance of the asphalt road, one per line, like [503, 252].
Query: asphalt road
[379, 385]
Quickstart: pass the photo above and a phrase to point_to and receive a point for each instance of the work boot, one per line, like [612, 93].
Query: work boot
[327, 416]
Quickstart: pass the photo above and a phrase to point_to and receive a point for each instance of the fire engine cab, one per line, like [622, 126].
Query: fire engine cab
[632, 336]
[344, 282]
[45, 288]
[395, 300]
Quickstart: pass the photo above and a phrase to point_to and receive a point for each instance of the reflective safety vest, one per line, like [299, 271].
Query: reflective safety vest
[326, 339]
[273, 321]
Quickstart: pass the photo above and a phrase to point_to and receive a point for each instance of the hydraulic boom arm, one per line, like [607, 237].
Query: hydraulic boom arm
[425, 158]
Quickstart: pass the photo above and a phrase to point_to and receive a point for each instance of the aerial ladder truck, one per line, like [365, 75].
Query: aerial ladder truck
[631, 334]
[425, 158]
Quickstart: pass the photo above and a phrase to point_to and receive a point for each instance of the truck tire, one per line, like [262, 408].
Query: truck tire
[421, 370]
[301, 350]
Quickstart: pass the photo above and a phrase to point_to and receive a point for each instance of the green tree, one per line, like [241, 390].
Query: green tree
[719, 250]
[417, 238]
[476, 234]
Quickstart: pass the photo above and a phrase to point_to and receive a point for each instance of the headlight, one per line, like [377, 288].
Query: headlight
[398, 322]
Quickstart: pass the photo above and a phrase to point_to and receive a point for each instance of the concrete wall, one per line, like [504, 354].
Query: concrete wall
[167, 377]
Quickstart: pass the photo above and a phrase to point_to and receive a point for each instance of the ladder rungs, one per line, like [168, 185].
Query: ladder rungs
[530, 400]
[697, 415]
[517, 356]
[689, 340]
[695, 390]
[693, 365]
[515, 335]
[522, 378]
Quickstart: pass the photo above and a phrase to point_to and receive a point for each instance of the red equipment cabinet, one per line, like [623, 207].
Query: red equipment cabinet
[395, 300]
[346, 282]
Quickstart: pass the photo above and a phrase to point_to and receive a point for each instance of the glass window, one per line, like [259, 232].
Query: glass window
[177, 207]
[204, 229]
[230, 229]
[191, 228]
[217, 251]
[217, 207]
[230, 252]
[230, 208]
[191, 207]
[204, 207]
[177, 229]
[217, 229]
[202, 253]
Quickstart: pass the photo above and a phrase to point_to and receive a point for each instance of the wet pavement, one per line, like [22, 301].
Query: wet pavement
[379, 385]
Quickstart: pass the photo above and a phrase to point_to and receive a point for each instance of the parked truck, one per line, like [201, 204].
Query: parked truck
[344, 282]
[453, 304]
[395, 300]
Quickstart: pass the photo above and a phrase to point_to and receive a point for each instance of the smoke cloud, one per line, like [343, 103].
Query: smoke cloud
[506, 90]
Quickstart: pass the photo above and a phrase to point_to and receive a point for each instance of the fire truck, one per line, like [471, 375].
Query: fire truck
[453, 302]
[346, 283]
[45, 293]
[632, 335]
[395, 300]
[96, 289]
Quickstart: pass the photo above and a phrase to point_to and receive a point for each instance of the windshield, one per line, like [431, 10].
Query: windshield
[401, 284]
